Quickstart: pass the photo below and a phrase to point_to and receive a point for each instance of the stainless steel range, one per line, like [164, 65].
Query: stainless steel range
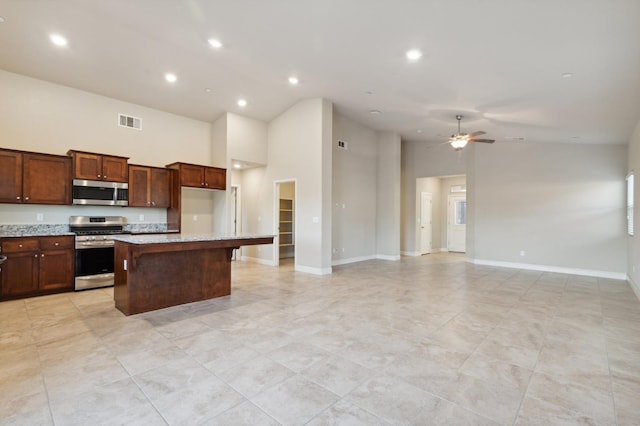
[94, 249]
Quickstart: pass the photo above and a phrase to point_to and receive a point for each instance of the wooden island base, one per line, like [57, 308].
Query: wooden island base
[151, 275]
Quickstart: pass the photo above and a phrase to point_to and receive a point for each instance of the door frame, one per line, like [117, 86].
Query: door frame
[421, 245]
[276, 219]
[234, 225]
[450, 216]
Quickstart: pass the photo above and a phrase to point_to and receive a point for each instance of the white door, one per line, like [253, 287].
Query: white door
[425, 222]
[457, 223]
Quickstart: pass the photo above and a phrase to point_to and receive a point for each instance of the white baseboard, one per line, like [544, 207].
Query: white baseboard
[314, 271]
[364, 258]
[548, 268]
[257, 260]
[411, 253]
[444, 250]
[388, 257]
[352, 260]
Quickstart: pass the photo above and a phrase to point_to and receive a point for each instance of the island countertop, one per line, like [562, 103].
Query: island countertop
[184, 238]
[163, 270]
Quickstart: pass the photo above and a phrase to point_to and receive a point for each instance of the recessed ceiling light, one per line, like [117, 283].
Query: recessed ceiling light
[237, 165]
[293, 80]
[567, 75]
[414, 54]
[242, 103]
[419, 131]
[374, 112]
[58, 40]
[171, 78]
[208, 89]
[215, 43]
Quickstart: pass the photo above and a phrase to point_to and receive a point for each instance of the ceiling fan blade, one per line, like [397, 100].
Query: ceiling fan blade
[482, 140]
[478, 133]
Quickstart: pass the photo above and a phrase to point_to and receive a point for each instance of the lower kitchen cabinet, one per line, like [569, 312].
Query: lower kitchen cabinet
[36, 266]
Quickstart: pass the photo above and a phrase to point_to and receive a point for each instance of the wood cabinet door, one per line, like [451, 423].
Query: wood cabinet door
[46, 179]
[87, 166]
[160, 187]
[139, 178]
[215, 178]
[192, 175]
[10, 177]
[56, 269]
[20, 274]
[114, 169]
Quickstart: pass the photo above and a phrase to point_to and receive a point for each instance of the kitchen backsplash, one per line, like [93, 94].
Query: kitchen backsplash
[55, 229]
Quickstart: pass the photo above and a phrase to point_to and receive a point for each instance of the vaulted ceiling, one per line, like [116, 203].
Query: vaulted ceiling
[544, 70]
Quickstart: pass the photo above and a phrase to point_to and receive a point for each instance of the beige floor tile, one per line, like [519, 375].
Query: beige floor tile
[256, 375]
[245, 414]
[453, 341]
[344, 413]
[294, 401]
[391, 399]
[589, 395]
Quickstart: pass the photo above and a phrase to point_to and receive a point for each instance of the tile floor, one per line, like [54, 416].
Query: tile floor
[423, 341]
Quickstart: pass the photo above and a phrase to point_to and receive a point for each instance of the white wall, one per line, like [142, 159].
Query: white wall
[299, 147]
[43, 117]
[246, 139]
[563, 204]
[354, 191]
[420, 160]
[633, 243]
[388, 196]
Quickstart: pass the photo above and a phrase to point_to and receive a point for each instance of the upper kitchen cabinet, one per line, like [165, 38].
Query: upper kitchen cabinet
[149, 186]
[10, 176]
[90, 166]
[196, 176]
[30, 178]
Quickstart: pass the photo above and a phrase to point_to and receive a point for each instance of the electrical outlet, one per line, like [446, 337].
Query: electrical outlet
[195, 217]
[343, 249]
[40, 217]
[522, 253]
[141, 217]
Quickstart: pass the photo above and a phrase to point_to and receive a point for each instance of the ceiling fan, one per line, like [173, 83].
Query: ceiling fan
[460, 140]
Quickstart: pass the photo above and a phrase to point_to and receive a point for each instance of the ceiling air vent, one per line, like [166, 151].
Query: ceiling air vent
[342, 144]
[129, 121]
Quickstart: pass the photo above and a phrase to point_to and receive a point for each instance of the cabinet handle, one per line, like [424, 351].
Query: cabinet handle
[57, 244]
[42, 255]
[99, 176]
[17, 198]
[104, 177]
[36, 256]
[19, 245]
[26, 198]
[153, 203]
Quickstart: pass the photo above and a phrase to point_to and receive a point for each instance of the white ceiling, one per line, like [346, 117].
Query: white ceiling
[497, 62]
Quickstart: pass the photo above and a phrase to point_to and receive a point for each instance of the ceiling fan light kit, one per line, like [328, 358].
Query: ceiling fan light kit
[460, 140]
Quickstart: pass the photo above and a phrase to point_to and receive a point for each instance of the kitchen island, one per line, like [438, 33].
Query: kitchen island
[158, 271]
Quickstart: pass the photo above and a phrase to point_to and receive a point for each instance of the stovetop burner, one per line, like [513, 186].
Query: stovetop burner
[97, 225]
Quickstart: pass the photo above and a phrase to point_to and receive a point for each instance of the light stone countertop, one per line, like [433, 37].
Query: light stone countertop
[182, 238]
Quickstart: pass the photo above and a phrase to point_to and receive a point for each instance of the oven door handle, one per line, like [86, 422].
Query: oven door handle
[89, 245]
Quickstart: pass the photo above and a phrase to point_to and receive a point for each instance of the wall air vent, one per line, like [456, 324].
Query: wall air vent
[342, 144]
[129, 121]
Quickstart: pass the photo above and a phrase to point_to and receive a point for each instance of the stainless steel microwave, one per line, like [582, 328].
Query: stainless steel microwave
[100, 193]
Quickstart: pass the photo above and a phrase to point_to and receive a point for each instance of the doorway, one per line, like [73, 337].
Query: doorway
[234, 215]
[457, 223]
[426, 212]
[285, 222]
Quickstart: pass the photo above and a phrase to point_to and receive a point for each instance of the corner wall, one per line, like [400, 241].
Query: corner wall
[633, 243]
[561, 204]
